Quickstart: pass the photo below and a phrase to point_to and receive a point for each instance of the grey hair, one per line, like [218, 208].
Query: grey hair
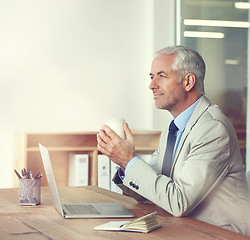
[187, 61]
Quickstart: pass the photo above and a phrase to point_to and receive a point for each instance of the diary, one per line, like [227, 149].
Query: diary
[144, 224]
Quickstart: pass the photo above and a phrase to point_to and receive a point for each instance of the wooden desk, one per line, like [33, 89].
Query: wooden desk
[44, 222]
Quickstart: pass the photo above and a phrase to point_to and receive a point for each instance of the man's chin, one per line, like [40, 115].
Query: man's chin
[159, 106]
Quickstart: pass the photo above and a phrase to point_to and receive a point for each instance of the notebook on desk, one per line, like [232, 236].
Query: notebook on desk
[79, 210]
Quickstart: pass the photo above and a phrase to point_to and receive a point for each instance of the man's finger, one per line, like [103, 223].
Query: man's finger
[101, 145]
[128, 133]
[109, 132]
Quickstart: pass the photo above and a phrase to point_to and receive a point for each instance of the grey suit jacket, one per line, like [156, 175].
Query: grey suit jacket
[207, 180]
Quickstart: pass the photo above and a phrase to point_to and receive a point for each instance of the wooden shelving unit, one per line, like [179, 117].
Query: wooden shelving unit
[60, 145]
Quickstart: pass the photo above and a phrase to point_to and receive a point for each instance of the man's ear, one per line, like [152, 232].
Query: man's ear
[189, 82]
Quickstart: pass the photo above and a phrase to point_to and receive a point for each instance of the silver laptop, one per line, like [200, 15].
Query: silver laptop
[79, 210]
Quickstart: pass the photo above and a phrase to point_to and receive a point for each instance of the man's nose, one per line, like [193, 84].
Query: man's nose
[153, 84]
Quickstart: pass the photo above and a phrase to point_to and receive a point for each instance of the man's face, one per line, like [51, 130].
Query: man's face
[168, 93]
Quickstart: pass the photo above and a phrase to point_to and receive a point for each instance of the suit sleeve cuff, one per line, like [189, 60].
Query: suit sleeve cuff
[119, 175]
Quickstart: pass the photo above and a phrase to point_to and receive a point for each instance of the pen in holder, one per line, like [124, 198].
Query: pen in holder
[29, 191]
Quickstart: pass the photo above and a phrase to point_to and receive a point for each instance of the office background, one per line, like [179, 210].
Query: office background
[69, 65]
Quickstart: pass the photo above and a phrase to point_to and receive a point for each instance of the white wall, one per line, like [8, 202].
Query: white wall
[164, 32]
[69, 65]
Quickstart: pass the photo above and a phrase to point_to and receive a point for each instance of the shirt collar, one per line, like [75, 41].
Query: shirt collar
[182, 119]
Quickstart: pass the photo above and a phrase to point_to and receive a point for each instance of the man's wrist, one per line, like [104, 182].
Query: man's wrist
[121, 172]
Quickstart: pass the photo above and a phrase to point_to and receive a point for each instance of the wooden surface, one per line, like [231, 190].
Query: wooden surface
[61, 145]
[44, 222]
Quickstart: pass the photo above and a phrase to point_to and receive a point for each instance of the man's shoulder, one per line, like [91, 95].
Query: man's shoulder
[207, 115]
[215, 112]
[207, 111]
[214, 118]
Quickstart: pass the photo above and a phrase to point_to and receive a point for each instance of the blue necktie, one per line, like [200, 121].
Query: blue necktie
[167, 162]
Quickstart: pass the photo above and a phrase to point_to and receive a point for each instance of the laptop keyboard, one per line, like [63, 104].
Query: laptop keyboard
[77, 209]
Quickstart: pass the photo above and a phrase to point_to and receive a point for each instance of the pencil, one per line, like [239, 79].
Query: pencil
[18, 175]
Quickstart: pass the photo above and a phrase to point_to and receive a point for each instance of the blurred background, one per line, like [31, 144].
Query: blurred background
[69, 65]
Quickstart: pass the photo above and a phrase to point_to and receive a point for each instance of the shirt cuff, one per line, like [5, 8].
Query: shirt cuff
[120, 174]
[131, 163]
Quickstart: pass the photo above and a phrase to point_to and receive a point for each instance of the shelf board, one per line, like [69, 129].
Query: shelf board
[85, 149]
[63, 149]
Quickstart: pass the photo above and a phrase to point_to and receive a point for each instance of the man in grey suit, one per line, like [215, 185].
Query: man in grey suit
[203, 175]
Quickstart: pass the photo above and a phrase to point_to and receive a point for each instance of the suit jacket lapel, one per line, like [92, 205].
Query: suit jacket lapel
[199, 110]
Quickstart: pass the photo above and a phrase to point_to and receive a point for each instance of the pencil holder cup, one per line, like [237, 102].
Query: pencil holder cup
[29, 191]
